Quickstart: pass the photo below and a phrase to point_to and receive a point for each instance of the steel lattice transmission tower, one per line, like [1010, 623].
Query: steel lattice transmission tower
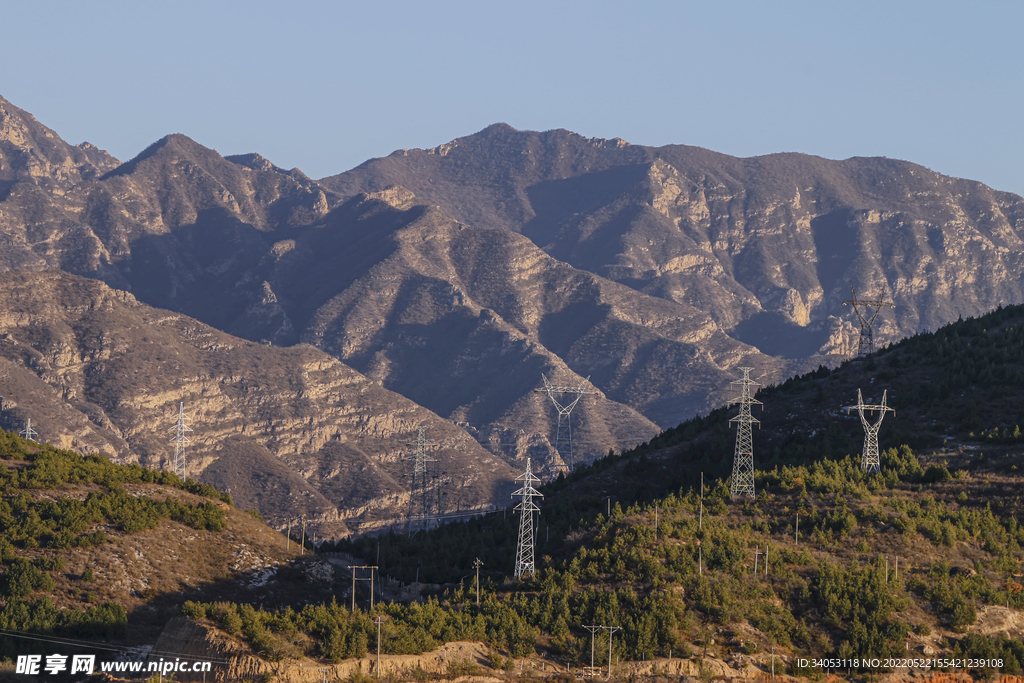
[526, 507]
[869, 458]
[871, 308]
[563, 435]
[28, 432]
[743, 457]
[419, 498]
[180, 440]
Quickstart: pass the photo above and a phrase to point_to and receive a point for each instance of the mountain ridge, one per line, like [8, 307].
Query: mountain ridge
[456, 276]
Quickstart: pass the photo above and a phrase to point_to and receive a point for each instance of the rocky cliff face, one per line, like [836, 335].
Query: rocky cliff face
[766, 246]
[289, 432]
[457, 276]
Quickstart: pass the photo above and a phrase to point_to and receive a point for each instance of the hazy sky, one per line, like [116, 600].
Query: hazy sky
[327, 85]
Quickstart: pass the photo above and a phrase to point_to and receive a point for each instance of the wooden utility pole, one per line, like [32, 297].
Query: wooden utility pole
[302, 546]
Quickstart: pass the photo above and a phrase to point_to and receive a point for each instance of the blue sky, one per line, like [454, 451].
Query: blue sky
[325, 85]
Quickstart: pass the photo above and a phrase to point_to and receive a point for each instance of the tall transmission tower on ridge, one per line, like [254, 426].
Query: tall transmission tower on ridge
[743, 457]
[419, 498]
[180, 440]
[869, 458]
[28, 432]
[871, 308]
[563, 436]
[524, 550]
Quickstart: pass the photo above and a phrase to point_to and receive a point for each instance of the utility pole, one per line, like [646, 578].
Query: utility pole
[29, 433]
[700, 519]
[524, 550]
[302, 546]
[869, 458]
[611, 632]
[593, 630]
[372, 568]
[743, 457]
[563, 436]
[288, 542]
[419, 498]
[180, 440]
[379, 620]
[476, 565]
[866, 343]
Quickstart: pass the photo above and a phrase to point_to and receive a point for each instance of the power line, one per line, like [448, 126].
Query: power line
[869, 457]
[743, 456]
[866, 342]
[564, 413]
[28, 432]
[524, 549]
[180, 440]
[419, 498]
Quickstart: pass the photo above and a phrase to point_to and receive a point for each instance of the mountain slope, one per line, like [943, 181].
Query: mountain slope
[766, 246]
[457, 276]
[289, 431]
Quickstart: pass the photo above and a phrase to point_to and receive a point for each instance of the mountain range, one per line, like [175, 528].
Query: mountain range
[315, 324]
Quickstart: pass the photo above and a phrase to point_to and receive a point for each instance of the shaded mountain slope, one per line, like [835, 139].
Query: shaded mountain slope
[290, 431]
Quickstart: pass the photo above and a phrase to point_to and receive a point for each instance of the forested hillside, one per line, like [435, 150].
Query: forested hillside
[90, 549]
[858, 565]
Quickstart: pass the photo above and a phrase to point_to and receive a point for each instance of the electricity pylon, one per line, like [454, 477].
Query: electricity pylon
[563, 437]
[526, 506]
[866, 343]
[180, 429]
[28, 432]
[743, 457]
[869, 458]
[419, 498]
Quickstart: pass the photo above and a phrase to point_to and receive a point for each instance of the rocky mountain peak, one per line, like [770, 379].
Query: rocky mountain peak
[456, 276]
[29, 151]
